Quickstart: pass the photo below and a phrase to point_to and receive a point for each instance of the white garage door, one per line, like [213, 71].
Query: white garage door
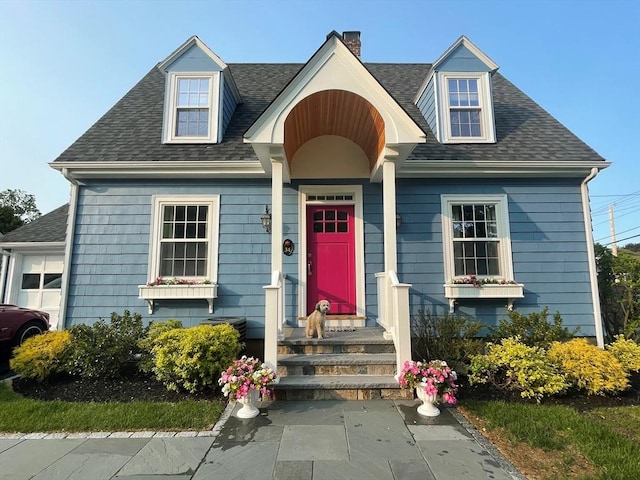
[40, 284]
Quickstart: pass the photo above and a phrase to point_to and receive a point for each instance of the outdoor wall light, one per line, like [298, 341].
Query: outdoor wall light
[398, 220]
[266, 219]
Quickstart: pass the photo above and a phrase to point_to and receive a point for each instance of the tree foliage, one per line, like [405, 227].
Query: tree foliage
[22, 204]
[619, 285]
[9, 220]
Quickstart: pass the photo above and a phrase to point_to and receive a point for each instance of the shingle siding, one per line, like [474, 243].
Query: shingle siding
[548, 247]
[111, 248]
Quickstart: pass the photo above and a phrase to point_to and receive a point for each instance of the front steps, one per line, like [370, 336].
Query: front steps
[345, 365]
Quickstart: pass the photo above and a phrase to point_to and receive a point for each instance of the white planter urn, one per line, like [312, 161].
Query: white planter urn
[249, 408]
[428, 407]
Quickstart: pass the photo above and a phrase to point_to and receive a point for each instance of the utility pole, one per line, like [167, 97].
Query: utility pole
[614, 246]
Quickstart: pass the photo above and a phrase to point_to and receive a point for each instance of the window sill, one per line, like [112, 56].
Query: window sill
[509, 292]
[178, 292]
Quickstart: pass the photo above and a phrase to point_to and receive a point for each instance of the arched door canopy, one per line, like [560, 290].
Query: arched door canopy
[335, 112]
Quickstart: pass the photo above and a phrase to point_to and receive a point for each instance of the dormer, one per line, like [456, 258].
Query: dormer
[200, 95]
[456, 97]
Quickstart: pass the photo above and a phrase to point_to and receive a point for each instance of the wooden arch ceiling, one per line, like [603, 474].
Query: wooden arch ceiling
[335, 112]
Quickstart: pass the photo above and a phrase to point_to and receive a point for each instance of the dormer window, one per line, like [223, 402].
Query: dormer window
[191, 111]
[467, 108]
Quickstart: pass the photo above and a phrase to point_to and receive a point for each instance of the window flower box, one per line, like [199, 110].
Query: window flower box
[508, 291]
[178, 292]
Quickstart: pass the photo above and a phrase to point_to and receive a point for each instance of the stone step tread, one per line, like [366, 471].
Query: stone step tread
[323, 382]
[337, 359]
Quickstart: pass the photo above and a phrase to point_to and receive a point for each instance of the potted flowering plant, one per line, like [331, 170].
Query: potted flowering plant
[433, 381]
[244, 381]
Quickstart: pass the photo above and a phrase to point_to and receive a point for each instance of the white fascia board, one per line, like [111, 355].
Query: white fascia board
[211, 169]
[194, 40]
[333, 66]
[467, 169]
[52, 247]
[484, 58]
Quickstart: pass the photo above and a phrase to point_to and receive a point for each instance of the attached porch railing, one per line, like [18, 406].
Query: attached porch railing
[393, 314]
[274, 317]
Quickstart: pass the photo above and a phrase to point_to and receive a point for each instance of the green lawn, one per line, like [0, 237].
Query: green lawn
[19, 414]
[609, 438]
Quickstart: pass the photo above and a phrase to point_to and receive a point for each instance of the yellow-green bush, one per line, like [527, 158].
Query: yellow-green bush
[193, 358]
[627, 352]
[146, 344]
[589, 368]
[514, 366]
[42, 355]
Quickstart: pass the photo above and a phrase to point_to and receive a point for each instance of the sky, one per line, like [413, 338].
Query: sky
[63, 64]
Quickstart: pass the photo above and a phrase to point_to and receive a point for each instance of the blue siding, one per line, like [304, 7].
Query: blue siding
[228, 104]
[462, 60]
[548, 247]
[111, 245]
[193, 60]
[426, 104]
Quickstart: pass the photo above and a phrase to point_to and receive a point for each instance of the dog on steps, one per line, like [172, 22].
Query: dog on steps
[317, 320]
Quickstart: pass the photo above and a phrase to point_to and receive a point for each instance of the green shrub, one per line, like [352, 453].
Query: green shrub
[588, 367]
[446, 337]
[514, 366]
[105, 349]
[146, 344]
[42, 356]
[533, 329]
[627, 352]
[193, 358]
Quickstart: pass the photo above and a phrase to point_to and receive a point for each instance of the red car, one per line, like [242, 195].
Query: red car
[17, 323]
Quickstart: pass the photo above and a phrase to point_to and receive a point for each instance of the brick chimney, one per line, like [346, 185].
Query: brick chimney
[352, 40]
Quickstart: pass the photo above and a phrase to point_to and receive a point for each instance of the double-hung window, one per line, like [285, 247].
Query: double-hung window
[476, 237]
[467, 108]
[184, 238]
[191, 106]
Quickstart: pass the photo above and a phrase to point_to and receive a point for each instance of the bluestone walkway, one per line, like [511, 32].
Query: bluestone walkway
[311, 440]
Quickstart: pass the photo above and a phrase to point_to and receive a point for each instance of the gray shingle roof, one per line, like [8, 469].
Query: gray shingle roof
[51, 227]
[132, 129]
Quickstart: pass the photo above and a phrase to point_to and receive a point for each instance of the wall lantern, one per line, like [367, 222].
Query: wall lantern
[398, 221]
[266, 219]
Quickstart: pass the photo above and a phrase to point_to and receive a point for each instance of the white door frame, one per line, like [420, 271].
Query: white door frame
[355, 191]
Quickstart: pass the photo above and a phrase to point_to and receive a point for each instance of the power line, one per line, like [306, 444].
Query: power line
[624, 231]
[622, 240]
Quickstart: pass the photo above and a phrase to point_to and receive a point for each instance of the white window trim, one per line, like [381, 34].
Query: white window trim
[487, 123]
[159, 201]
[170, 107]
[454, 292]
[504, 234]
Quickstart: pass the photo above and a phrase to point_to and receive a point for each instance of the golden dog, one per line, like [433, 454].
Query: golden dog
[317, 319]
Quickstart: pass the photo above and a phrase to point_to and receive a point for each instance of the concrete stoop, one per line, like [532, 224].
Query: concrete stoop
[346, 365]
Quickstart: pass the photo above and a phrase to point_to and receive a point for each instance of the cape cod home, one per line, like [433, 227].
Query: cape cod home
[259, 189]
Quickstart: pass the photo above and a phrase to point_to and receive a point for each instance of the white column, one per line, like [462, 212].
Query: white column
[389, 211]
[276, 211]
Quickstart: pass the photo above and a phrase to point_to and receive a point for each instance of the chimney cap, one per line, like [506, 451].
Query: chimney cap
[351, 35]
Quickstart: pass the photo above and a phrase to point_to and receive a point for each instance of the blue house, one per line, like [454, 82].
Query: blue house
[255, 190]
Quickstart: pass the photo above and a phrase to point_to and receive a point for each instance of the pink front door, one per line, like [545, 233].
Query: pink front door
[331, 266]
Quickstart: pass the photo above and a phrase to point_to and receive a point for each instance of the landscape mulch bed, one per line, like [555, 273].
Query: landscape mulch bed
[144, 388]
[135, 387]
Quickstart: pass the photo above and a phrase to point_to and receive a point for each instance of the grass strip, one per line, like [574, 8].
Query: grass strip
[556, 427]
[20, 414]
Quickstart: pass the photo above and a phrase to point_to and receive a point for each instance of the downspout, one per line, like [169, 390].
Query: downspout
[68, 248]
[593, 272]
[3, 273]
